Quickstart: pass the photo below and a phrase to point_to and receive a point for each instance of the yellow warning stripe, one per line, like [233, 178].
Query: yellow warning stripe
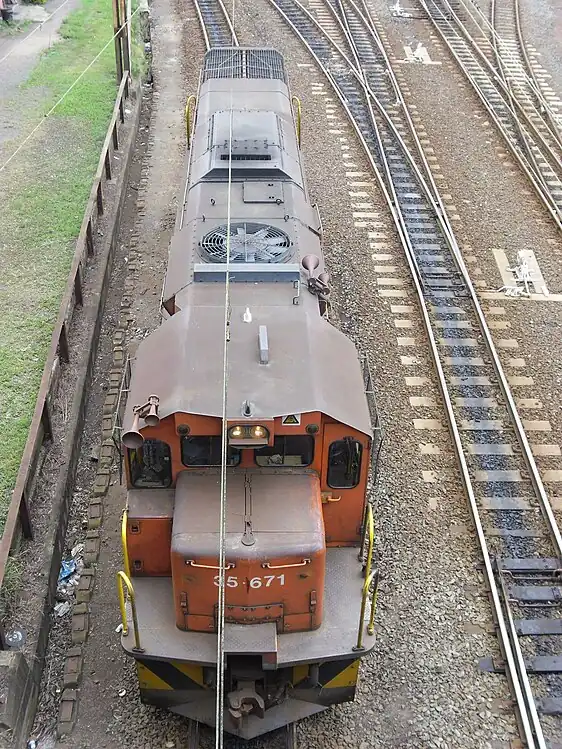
[345, 678]
[149, 680]
[300, 673]
[331, 674]
[169, 675]
[195, 673]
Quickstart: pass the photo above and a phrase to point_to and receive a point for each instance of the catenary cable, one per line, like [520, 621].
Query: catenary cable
[219, 715]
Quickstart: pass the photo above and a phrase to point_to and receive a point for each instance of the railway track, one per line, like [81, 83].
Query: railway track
[515, 65]
[528, 135]
[516, 528]
[216, 24]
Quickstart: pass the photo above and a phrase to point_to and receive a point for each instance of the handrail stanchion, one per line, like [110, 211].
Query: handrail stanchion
[370, 531]
[366, 586]
[371, 625]
[369, 577]
[124, 543]
[122, 578]
[190, 100]
[297, 105]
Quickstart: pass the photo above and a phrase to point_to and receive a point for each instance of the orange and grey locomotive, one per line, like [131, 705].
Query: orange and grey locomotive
[299, 425]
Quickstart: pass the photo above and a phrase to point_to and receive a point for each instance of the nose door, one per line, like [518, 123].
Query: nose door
[345, 462]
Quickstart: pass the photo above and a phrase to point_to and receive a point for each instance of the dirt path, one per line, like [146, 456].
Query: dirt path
[19, 53]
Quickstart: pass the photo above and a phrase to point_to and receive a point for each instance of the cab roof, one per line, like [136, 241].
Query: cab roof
[311, 366]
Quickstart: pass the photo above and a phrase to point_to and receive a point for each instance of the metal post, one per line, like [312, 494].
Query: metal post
[25, 518]
[125, 31]
[122, 579]
[117, 40]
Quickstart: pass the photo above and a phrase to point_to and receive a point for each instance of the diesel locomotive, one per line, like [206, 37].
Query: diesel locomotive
[299, 422]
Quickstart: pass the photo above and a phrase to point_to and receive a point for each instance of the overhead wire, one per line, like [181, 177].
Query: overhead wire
[219, 704]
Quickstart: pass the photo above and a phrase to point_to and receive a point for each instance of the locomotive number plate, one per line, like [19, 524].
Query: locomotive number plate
[264, 581]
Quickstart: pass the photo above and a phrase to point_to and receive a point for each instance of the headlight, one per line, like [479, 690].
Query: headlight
[248, 435]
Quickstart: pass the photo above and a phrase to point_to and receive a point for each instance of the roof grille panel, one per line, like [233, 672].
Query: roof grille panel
[246, 157]
[249, 243]
[264, 63]
[233, 62]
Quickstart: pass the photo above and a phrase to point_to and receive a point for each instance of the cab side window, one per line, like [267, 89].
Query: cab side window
[344, 463]
[151, 465]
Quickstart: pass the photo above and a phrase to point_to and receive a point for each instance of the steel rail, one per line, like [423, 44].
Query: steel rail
[500, 83]
[508, 56]
[518, 678]
[387, 183]
[551, 119]
[515, 664]
[213, 34]
[517, 73]
[203, 25]
[479, 18]
[553, 205]
[442, 218]
[503, 71]
[441, 212]
[459, 31]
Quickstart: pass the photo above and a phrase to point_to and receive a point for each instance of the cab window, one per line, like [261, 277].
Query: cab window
[151, 465]
[344, 463]
[206, 451]
[288, 450]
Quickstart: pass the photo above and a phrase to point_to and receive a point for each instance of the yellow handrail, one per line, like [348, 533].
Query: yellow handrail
[370, 530]
[122, 578]
[371, 625]
[297, 104]
[369, 577]
[124, 543]
[370, 628]
[190, 100]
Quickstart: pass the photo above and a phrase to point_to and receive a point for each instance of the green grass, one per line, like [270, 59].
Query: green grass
[13, 28]
[45, 190]
[11, 586]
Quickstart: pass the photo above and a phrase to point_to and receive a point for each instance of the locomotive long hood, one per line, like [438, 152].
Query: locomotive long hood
[182, 363]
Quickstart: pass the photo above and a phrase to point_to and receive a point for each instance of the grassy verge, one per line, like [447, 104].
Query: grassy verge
[13, 28]
[44, 191]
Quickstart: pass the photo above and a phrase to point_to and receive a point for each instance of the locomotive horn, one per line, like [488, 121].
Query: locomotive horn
[133, 439]
[310, 263]
[151, 419]
[324, 278]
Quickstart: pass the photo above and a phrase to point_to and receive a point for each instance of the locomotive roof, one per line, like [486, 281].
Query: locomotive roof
[312, 366]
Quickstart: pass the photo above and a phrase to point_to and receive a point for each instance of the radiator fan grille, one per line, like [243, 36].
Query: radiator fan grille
[249, 243]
